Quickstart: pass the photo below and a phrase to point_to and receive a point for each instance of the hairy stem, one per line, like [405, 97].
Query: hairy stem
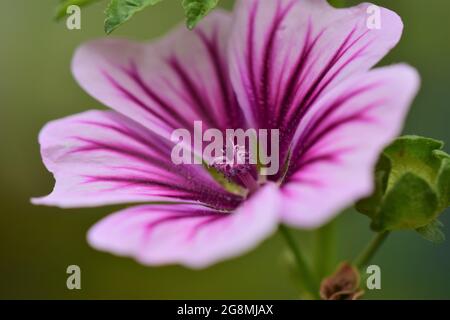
[324, 249]
[371, 249]
[307, 276]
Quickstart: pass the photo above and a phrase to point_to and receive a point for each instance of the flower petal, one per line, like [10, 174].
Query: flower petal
[285, 54]
[102, 157]
[339, 143]
[191, 235]
[167, 84]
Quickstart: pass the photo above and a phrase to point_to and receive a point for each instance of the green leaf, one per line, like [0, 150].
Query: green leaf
[371, 205]
[195, 10]
[412, 186]
[120, 11]
[432, 232]
[443, 181]
[410, 204]
[414, 154]
[61, 9]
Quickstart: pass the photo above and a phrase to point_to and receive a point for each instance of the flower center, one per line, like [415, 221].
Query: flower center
[234, 164]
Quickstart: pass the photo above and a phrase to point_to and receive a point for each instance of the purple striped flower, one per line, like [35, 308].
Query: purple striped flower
[299, 66]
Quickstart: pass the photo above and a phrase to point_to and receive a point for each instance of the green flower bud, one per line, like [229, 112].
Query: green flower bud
[412, 187]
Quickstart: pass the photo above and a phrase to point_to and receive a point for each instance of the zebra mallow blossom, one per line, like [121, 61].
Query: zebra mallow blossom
[300, 66]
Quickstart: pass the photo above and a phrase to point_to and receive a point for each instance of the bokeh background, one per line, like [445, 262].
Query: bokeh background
[38, 243]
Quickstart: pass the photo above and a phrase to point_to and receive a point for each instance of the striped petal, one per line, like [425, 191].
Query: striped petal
[102, 157]
[190, 235]
[285, 54]
[167, 84]
[338, 144]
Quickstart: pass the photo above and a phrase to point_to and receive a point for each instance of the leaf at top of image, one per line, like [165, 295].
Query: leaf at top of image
[120, 11]
[195, 10]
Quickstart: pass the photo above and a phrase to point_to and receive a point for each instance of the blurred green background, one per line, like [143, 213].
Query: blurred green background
[38, 243]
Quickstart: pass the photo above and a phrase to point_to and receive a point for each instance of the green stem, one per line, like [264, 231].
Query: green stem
[369, 252]
[325, 249]
[305, 272]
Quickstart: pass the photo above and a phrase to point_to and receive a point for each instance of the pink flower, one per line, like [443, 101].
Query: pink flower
[302, 67]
